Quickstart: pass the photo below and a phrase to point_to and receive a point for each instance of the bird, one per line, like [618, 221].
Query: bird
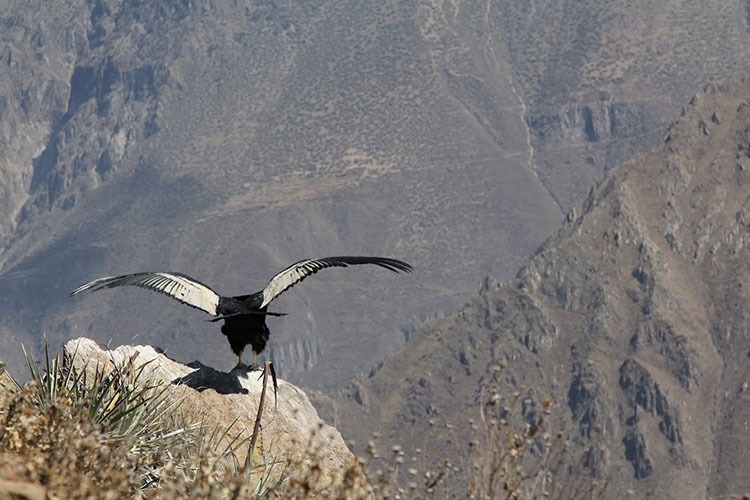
[244, 315]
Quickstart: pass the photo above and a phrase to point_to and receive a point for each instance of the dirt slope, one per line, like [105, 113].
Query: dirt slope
[633, 318]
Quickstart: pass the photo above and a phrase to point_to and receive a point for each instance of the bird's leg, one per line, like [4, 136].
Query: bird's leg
[240, 364]
[255, 365]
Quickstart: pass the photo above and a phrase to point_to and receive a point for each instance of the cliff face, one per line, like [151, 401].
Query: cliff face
[76, 98]
[632, 318]
[227, 141]
[601, 77]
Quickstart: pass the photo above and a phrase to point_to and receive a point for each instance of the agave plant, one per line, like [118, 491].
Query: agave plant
[140, 415]
[121, 402]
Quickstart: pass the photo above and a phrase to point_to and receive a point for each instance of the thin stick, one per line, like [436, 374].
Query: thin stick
[267, 368]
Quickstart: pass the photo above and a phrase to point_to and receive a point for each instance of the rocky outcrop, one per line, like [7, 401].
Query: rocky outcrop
[69, 114]
[291, 429]
[633, 317]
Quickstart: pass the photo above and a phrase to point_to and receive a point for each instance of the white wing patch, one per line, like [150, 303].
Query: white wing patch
[195, 294]
[190, 292]
[304, 268]
[291, 276]
[178, 286]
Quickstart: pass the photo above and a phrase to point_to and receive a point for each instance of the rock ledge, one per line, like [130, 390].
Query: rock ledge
[292, 431]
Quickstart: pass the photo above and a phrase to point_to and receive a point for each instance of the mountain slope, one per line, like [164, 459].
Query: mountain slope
[632, 318]
[599, 77]
[227, 141]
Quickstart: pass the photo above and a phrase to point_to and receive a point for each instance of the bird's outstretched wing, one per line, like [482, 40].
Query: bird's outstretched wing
[304, 268]
[178, 286]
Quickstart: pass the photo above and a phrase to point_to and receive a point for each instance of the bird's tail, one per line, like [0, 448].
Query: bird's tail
[251, 313]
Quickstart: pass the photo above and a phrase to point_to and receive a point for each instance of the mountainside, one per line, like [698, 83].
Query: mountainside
[633, 318]
[599, 77]
[227, 141]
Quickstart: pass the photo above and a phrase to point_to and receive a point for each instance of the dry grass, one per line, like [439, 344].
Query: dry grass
[71, 434]
[515, 452]
[510, 448]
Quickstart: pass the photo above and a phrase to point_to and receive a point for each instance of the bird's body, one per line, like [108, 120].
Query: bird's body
[245, 315]
[242, 328]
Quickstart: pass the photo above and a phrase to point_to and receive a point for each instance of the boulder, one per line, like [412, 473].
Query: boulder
[291, 430]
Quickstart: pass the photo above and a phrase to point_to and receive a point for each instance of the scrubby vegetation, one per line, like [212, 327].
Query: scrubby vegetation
[102, 436]
[86, 433]
[508, 449]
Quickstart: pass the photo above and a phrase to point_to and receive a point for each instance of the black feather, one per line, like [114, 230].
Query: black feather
[244, 316]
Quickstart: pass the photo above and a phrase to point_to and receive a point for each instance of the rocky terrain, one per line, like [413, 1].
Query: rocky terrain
[130, 422]
[226, 141]
[632, 318]
[290, 427]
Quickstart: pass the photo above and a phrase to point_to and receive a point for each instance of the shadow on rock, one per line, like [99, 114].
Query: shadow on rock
[204, 377]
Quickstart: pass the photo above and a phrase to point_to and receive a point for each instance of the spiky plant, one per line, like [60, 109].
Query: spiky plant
[109, 431]
[121, 402]
[131, 412]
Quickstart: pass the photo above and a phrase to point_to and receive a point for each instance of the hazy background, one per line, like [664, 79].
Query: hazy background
[229, 139]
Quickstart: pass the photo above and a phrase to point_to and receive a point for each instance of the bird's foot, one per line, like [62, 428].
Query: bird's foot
[248, 368]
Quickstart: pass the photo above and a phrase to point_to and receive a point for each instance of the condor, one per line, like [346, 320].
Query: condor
[245, 315]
